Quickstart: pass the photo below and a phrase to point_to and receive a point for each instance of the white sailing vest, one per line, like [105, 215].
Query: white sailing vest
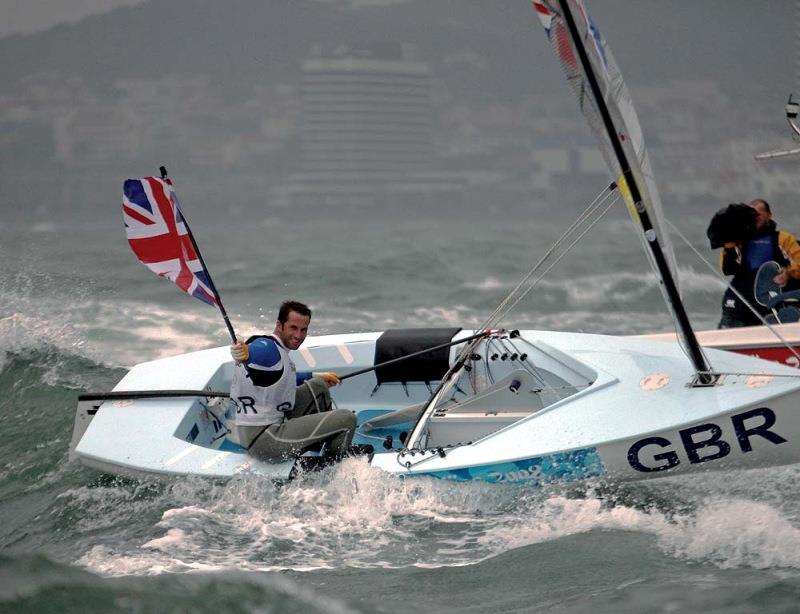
[264, 405]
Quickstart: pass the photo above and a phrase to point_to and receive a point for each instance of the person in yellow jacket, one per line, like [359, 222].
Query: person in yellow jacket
[742, 259]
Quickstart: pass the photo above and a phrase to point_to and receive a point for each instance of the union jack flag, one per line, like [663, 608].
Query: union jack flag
[158, 235]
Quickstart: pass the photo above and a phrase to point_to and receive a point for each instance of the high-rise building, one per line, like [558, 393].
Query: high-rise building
[366, 125]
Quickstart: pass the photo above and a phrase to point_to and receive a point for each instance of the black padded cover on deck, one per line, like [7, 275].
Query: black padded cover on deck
[428, 367]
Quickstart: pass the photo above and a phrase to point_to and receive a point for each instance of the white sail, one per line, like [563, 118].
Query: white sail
[619, 105]
[607, 106]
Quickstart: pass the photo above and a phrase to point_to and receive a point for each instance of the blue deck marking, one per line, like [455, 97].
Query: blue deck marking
[564, 466]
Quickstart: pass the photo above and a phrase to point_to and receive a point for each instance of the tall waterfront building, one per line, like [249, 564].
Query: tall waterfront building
[366, 127]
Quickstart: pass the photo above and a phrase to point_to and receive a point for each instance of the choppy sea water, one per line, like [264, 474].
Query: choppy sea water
[76, 310]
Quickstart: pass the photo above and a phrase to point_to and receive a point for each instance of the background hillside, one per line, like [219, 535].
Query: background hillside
[212, 88]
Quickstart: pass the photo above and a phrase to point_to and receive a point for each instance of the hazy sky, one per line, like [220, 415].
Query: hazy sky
[26, 16]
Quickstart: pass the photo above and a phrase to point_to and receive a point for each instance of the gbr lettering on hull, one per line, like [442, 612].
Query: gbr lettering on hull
[704, 442]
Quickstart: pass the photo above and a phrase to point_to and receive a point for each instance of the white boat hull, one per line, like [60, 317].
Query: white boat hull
[751, 438]
[646, 424]
[636, 417]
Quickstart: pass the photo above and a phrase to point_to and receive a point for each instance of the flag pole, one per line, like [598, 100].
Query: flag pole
[163, 171]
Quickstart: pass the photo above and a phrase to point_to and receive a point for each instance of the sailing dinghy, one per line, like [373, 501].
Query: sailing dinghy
[496, 405]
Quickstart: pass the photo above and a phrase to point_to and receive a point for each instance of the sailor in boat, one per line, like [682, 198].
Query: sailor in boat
[742, 258]
[281, 413]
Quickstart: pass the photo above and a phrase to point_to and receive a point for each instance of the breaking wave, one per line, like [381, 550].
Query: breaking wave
[354, 516]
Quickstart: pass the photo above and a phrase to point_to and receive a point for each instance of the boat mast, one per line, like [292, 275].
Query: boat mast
[696, 355]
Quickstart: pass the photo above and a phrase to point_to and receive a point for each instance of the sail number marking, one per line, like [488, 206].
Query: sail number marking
[704, 442]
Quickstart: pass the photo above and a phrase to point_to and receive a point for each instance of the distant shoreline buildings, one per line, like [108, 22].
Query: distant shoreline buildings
[372, 126]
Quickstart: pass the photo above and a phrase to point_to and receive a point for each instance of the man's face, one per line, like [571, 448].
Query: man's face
[762, 215]
[293, 332]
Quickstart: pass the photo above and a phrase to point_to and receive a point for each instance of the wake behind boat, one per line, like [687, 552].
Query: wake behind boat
[495, 405]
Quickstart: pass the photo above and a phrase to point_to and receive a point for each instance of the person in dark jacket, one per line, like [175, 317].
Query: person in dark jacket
[742, 259]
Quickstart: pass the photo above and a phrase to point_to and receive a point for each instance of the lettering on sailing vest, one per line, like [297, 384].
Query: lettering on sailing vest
[704, 442]
[245, 405]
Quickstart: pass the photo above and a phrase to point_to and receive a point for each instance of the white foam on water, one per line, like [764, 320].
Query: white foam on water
[22, 331]
[22, 334]
[453, 315]
[621, 287]
[144, 565]
[692, 280]
[349, 515]
[726, 533]
[353, 515]
[113, 333]
[173, 538]
[38, 311]
[160, 331]
[487, 284]
[735, 533]
[559, 517]
[109, 561]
